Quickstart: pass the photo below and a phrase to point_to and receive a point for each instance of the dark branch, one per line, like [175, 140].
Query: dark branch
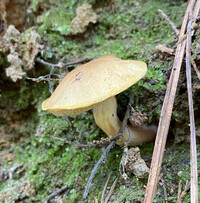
[60, 64]
[56, 193]
[103, 156]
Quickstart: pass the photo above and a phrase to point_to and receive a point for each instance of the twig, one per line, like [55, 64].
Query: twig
[111, 190]
[49, 81]
[56, 193]
[195, 68]
[169, 21]
[12, 171]
[42, 78]
[166, 113]
[165, 49]
[164, 186]
[196, 12]
[162, 48]
[95, 200]
[46, 78]
[104, 189]
[72, 127]
[181, 193]
[95, 168]
[119, 134]
[60, 64]
[193, 150]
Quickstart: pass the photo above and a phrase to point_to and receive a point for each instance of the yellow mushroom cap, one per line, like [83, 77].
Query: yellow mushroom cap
[92, 83]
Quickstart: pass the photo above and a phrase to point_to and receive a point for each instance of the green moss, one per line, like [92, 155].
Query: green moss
[57, 20]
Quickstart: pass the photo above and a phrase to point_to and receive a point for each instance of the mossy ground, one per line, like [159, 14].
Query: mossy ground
[130, 30]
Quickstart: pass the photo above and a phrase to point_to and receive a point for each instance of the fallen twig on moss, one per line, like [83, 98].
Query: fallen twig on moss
[72, 127]
[48, 77]
[164, 186]
[166, 113]
[61, 64]
[195, 68]
[43, 78]
[171, 51]
[181, 193]
[111, 190]
[117, 137]
[63, 189]
[169, 21]
[165, 49]
[104, 189]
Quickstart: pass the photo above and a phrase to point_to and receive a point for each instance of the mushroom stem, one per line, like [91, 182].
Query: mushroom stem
[105, 115]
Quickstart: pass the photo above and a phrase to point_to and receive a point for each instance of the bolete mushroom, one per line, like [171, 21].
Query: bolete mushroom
[94, 85]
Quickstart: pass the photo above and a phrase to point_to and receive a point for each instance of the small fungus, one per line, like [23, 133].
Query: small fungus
[94, 85]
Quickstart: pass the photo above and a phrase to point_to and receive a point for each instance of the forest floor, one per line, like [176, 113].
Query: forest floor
[32, 164]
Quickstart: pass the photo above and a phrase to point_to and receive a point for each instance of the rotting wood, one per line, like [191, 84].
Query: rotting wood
[166, 113]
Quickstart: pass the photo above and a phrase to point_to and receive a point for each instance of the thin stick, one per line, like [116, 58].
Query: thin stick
[195, 68]
[60, 64]
[169, 21]
[56, 193]
[196, 12]
[111, 190]
[165, 49]
[119, 134]
[166, 114]
[104, 189]
[193, 150]
[72, 127]
[164, 188]
[95, 168]
[179, 192]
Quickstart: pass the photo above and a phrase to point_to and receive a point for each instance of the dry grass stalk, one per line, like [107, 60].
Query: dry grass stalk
[169, 21]
[193, 150]
[166, 113]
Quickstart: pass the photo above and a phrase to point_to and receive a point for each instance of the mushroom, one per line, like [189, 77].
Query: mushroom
[94, 85]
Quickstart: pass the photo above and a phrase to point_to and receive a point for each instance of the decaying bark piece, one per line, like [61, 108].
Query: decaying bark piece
[132, 162]
[85, 15]
[21, 50]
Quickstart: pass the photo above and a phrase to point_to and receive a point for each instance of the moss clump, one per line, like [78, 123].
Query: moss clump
[60, 164]
[57, 19]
